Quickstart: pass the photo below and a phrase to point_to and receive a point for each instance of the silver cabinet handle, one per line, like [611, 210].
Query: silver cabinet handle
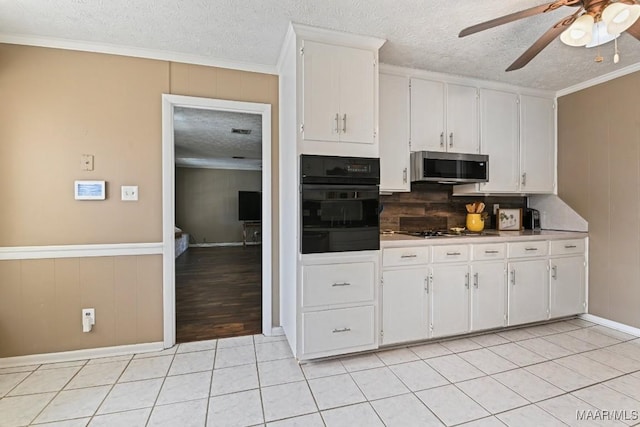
[453, 254]
[426, 284]
[491, 252]
[338, 331]
[476, 280]
[466, 280]
[344, 123]
[513, 277]
[337, 119]
[341, 284]
[451, 139]
[442, 139]
[524, 178]
[530, 249]
[404, 176]
[554, 272]
[570, 246]
[409, 256]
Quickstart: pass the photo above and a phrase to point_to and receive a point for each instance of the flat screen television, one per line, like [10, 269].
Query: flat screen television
[249, 206]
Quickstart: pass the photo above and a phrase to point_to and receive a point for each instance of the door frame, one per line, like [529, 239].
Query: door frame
[169, 102]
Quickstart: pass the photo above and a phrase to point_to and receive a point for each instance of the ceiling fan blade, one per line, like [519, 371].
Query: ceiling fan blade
[543, 41]
[634, 30]
[536, 10]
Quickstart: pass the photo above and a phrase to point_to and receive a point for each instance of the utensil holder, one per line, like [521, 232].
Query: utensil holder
[475, 222]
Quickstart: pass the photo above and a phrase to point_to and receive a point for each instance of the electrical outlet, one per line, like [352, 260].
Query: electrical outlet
[129, 193]
[89, 312]
[496, 206]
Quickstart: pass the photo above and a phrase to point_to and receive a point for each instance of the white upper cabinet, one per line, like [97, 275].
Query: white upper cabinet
[394, 133]
[499, 139]
[339, 94]
[444, 117]
[427, 116]
[537, 143]
[462, 119]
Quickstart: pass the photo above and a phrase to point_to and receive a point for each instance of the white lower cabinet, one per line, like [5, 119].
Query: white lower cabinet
[488, 295]
[449, 299]
[340, 329]
[528, 291]
[405, 315]
[566, 286]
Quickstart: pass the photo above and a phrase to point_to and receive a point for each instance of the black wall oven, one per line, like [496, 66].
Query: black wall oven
[339, 204]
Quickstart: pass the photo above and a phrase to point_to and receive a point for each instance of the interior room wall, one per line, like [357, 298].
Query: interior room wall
[58, 105]
[207, 202]
[599, 177]
[431, 206]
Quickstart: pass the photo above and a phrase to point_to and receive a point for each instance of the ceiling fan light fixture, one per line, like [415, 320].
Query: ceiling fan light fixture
[620, 16]
[580, 32]
[601, 35]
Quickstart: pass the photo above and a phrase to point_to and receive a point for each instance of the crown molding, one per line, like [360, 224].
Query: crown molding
[598, 80]
[161, 55]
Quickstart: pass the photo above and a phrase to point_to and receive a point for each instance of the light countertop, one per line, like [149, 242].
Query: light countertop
[492, 236]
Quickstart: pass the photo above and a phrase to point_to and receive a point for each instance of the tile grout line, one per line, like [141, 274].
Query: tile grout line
[213, 369]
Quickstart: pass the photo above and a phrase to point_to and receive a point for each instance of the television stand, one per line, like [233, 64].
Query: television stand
[247, 226]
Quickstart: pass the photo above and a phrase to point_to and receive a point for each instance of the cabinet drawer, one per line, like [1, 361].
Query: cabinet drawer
[405, 256]
[450, 253]
[566, 247]
[528, 249]
[489, 251]
[328, 284]
[331, 330]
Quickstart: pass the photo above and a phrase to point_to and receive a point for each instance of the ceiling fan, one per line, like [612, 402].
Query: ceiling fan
[609, 17]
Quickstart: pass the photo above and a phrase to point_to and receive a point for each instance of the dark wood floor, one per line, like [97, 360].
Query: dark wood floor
[218, 293]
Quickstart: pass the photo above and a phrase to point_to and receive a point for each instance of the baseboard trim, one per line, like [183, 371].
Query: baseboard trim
[611, 324]
[277, 331]
[91, 353]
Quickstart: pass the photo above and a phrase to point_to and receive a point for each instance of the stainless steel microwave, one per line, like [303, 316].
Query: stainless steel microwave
[449, 168]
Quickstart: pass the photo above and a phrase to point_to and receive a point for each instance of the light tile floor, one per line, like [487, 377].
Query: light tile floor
[533, 376]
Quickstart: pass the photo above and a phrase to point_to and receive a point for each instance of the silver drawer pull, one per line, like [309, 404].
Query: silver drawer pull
[453, 254]
[570, 246]
[339, 331]
[409, 256]
[530, 249]
[341, 284]
[491, 252]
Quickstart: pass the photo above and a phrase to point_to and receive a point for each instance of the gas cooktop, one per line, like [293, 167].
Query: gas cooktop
[428, 234]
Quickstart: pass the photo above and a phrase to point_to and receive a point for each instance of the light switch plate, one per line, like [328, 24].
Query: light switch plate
[86, 162]
[129, 193]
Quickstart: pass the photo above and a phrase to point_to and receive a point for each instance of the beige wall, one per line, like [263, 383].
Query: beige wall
[599, 176]
[41, 302]
[57, 105]
[207, 202]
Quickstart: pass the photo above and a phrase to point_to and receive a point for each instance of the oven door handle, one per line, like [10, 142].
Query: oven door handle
[340, 187]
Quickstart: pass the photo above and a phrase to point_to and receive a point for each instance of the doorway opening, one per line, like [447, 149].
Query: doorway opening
[216, 190]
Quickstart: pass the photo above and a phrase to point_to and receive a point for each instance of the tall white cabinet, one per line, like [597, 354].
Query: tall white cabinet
[328, 106]
[537, 144]
[394, 133]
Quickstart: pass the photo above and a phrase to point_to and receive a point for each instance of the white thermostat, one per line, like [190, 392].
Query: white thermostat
[90, 190]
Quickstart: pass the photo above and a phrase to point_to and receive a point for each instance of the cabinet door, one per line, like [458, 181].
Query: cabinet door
[499, 139]
[394, 133]
[537, 142]
[528, 291]
[567, 286]
[449, 300]
[321, 109]
[404, 305]
[357, 95]
[462, 119]
[427, 116]
[488, 295]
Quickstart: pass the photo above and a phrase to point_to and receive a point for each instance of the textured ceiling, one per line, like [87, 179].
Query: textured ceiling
[420, 33]
[203, 138]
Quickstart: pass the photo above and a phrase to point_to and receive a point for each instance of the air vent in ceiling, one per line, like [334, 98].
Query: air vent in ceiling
[241, 131]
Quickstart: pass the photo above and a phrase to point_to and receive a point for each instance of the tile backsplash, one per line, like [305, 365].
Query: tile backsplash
[432, 206]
